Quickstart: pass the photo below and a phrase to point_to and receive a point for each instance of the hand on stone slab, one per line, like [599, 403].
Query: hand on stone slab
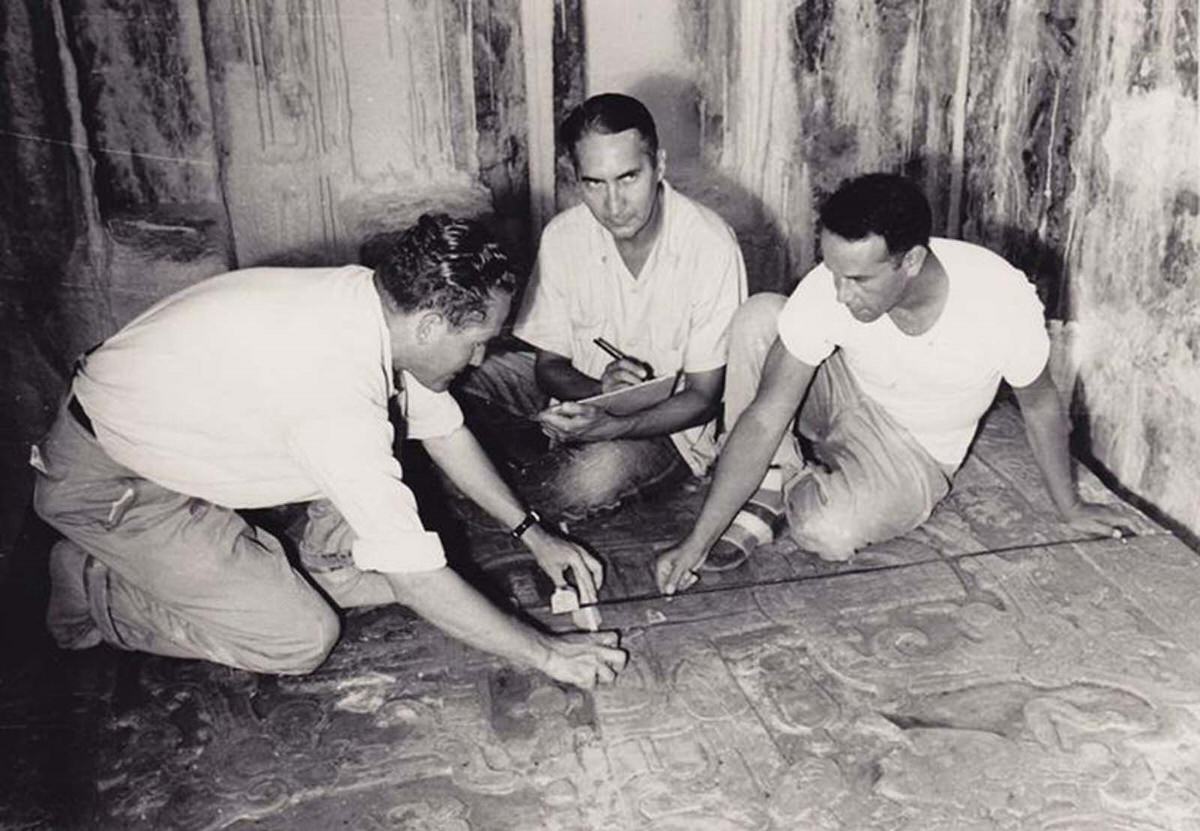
[555, 556]
[675, 569]
[584, 659]
[1100, 520]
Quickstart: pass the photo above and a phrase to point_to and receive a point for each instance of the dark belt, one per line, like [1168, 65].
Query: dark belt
[76, 411]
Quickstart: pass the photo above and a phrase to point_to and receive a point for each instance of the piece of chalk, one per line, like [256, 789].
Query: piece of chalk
[564, 600]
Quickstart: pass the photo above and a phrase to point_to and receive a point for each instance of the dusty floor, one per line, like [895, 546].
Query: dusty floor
[990, 670]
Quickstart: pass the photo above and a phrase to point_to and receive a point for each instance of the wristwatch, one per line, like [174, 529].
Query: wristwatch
[531, 518]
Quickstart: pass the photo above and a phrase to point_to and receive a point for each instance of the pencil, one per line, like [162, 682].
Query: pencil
[619, 355]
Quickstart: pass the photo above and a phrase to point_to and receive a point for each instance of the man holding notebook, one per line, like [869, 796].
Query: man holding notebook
[639, 282]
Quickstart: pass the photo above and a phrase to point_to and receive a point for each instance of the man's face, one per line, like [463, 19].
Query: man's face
[446, 351]
[869, 280]
[619, 180]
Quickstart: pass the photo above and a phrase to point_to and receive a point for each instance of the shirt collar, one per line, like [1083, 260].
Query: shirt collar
[385, 337]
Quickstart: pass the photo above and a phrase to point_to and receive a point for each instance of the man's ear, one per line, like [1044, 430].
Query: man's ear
[660, 164]
[914, 260]
[429, 325]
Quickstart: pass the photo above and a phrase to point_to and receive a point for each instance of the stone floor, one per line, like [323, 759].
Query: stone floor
[991, 670]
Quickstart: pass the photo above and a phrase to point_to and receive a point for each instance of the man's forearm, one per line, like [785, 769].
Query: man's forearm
[559, 379]
[1048, 433]
[451, 604]
[687, 408]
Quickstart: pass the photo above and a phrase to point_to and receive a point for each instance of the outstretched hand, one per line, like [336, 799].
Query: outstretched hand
[1101, 520]
[675, 569]
[585, 659]
[555, 556]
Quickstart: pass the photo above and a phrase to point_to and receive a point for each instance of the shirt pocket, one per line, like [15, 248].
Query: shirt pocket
[664, 347]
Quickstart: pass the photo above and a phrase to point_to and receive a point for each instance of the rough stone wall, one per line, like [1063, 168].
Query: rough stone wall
[1133, 246]
[1062, 133]
[38, 220]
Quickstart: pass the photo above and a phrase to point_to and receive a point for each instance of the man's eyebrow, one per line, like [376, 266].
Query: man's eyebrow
[622, 175]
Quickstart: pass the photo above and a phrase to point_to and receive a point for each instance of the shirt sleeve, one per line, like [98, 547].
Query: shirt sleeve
[723, 290]
[545, 310]
[428, 414]
[806, 324]
[350, 459]
[1023, 343]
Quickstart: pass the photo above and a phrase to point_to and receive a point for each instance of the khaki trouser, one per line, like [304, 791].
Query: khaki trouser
[871, 481]
[158, 571]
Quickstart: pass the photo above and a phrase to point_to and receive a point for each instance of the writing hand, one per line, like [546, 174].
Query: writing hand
[624, 372]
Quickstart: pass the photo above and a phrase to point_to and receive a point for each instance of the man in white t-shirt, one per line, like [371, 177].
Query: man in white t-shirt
[900, 343]
[270, 386]
[644, 269]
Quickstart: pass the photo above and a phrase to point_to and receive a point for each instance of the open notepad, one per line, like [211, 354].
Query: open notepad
[631, 399]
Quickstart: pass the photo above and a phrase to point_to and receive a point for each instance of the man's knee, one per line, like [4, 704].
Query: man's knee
[833, 519]
[823, 519]
[827, 535]
[575, 482]
[757, 317]
[308, 644]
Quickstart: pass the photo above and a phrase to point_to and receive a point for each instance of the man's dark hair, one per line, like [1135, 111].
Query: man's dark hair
[606, 114]
[445, 264]
[879, 203]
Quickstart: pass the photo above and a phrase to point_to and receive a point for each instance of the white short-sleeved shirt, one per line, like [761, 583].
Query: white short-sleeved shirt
[938, 384]
[267, 386]
[675, 314]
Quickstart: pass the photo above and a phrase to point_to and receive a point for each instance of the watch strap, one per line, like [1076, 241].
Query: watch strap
[531, 518]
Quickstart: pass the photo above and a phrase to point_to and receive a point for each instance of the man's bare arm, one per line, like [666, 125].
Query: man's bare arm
[558, 378]
[743, 461]
[1047, 428]
[698, 402]
[463, 460]
[448, 602]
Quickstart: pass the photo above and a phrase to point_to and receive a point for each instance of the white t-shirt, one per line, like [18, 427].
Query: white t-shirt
[938, 384]
[266, 386]
[675, 314]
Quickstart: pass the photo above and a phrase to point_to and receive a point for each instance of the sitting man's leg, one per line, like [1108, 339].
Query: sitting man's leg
[751, 335]
[568, 482]
[574, 481]
[145, 568]
[875, 482]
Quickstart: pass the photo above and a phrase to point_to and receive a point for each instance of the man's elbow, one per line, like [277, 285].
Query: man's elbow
[409, 587]
[708, 408]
